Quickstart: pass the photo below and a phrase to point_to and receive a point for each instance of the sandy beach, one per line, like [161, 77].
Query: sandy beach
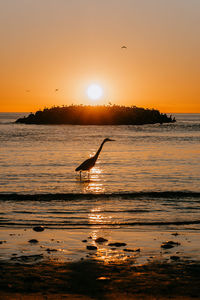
[96, 280]
[60, 265]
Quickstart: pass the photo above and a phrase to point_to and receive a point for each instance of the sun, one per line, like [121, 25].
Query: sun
[94, 92]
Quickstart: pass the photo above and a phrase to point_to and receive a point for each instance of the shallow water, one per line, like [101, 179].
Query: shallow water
[102, 211]
[43, 158]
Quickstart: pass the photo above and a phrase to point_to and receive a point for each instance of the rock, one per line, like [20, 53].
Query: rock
[175, 257]
[169, 244]
[128, 250]
[173, 243]
[117, 244]
[84, 241]
[131, 250]
[101, 240]
[51, 250]
[166, 246]
[89, 247]
[28, 258]
[175, 233]
[1, 242]
[38, 228]
[33, 241]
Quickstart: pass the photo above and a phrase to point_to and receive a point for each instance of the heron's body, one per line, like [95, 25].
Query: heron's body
[87, 164]
[90, 162]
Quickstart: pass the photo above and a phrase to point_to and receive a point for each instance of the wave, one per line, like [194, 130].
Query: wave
[88, 196]
[68, 224]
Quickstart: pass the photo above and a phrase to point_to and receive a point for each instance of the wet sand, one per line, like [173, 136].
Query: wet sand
[69, 245]
[91, 279]
[59, 264]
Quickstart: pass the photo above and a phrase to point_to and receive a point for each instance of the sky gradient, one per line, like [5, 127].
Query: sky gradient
[52, 50]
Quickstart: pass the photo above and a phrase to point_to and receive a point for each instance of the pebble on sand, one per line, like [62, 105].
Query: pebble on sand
[100, 240]
[33, 241]
[27, 258]
[174, 257]
[38, 228]
[169, 244]
[131, 250]
[51, 250]
[89, 247]
[117, 244]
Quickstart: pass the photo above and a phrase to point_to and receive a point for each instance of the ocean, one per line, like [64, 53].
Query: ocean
[148, 179]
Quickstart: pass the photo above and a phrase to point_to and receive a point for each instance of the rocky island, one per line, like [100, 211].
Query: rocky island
[96, 115]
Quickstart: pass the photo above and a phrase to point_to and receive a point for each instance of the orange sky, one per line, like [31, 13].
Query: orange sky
[69, 44]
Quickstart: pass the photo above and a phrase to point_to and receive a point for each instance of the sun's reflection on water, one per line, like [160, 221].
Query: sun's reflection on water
[97, 218]
[100, 222]
[94, 187]
[104, 252]
[92, 182]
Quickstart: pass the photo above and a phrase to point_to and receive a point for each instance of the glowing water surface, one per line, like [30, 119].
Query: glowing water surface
[41, 159]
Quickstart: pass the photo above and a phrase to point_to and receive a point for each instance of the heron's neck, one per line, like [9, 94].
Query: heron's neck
[99, 150]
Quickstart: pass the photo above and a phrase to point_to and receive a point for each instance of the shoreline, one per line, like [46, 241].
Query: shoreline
[70, 245]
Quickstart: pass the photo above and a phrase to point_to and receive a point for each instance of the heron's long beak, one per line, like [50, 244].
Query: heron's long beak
[111, 140]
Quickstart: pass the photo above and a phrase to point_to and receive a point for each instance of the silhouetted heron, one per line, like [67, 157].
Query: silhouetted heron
[90, 162]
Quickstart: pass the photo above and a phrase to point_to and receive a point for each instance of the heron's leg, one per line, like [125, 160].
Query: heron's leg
[80, 175]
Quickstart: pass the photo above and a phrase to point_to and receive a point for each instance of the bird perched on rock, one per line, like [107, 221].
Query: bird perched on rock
[90, 162]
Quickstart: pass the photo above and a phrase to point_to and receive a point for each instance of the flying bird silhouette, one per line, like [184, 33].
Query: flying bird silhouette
[123, 47]
[90, 162]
